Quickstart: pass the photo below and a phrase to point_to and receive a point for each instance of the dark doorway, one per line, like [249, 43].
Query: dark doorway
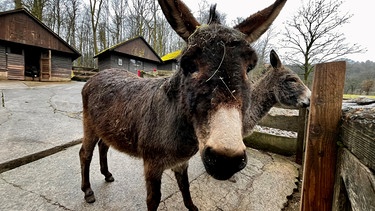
[32, 63]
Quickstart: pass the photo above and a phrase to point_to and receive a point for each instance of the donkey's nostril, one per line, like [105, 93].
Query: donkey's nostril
[209, 156]
[221, 166]
[243, 162]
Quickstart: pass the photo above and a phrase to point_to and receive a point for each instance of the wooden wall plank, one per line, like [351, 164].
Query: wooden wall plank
[16, 66]
[358, 134]
[355, 184]
[61, 68]
[3, 61]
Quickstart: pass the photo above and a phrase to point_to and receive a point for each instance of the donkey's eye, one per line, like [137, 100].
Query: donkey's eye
[235, 43]
[291, 79]
[250, 67]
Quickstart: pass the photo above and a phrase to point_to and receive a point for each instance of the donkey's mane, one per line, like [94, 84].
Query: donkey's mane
[209, 32]
[214, 29]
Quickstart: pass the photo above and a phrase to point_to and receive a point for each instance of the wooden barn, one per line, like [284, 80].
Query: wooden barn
[29, 50]
[170, 61]
[133, 55]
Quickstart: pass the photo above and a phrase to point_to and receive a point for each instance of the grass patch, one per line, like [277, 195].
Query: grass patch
[349, 96]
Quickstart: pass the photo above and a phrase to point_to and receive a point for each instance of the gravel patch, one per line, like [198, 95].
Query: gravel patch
[274, 131]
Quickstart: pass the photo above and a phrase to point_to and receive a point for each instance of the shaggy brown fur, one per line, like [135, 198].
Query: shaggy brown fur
[165, 121]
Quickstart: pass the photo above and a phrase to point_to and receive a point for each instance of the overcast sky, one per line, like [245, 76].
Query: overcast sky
[359, 30]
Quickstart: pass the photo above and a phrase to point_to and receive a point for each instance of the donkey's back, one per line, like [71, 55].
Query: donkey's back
[116, 103]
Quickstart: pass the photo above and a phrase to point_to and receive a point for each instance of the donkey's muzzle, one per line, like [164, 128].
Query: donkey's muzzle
[221, 166]
[306, 104]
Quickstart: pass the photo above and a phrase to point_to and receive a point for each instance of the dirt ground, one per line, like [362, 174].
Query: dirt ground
[294, 200]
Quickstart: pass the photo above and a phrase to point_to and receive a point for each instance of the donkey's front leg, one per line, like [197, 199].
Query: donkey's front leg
[181, 175]
[103, 149]
[153, 176]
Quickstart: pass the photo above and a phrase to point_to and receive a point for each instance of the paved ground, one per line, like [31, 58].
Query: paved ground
[42, 122]
[36, 116]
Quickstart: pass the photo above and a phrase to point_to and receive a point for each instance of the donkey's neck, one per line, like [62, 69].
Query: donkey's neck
[262, 100]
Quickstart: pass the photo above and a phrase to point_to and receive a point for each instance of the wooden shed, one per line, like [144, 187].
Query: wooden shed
[133, 55]
[170, 61]
[29, 50]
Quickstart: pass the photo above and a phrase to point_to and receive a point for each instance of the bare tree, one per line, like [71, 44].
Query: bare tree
[95, 10]
[367, 85]
[263, 47]
[103, 35]
[118, 20]
[139, 16]
[72, 11]
[53, 17]
[161, 31]
[203, 11]
[104, 26]
[10, 4]
[312, 35]
[85, 42]
[17, 4]
[36, 7]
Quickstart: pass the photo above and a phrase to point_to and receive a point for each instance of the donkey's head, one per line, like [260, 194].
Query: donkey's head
[290, 91]
[214, 87]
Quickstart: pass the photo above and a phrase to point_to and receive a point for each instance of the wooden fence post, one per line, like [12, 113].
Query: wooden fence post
[322, 135]
[301, 134]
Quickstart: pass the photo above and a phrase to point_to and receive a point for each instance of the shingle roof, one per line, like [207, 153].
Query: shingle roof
[23, 10]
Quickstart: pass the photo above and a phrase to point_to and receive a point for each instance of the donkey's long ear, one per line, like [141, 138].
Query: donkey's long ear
[255, 25]
[179, 17]
[275, 60]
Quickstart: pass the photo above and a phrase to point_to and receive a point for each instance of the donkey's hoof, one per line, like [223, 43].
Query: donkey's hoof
[110, 179]
[89, 196]
[193, 208]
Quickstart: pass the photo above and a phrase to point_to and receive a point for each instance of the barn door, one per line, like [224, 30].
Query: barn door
[45, 66]
[16, 66]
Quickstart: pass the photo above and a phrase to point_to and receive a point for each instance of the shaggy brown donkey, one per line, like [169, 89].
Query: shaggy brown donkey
[279, 85]
[166, 121]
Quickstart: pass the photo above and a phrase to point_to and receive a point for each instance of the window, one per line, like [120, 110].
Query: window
[135, 65]
[119, 62]
[16, 50]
